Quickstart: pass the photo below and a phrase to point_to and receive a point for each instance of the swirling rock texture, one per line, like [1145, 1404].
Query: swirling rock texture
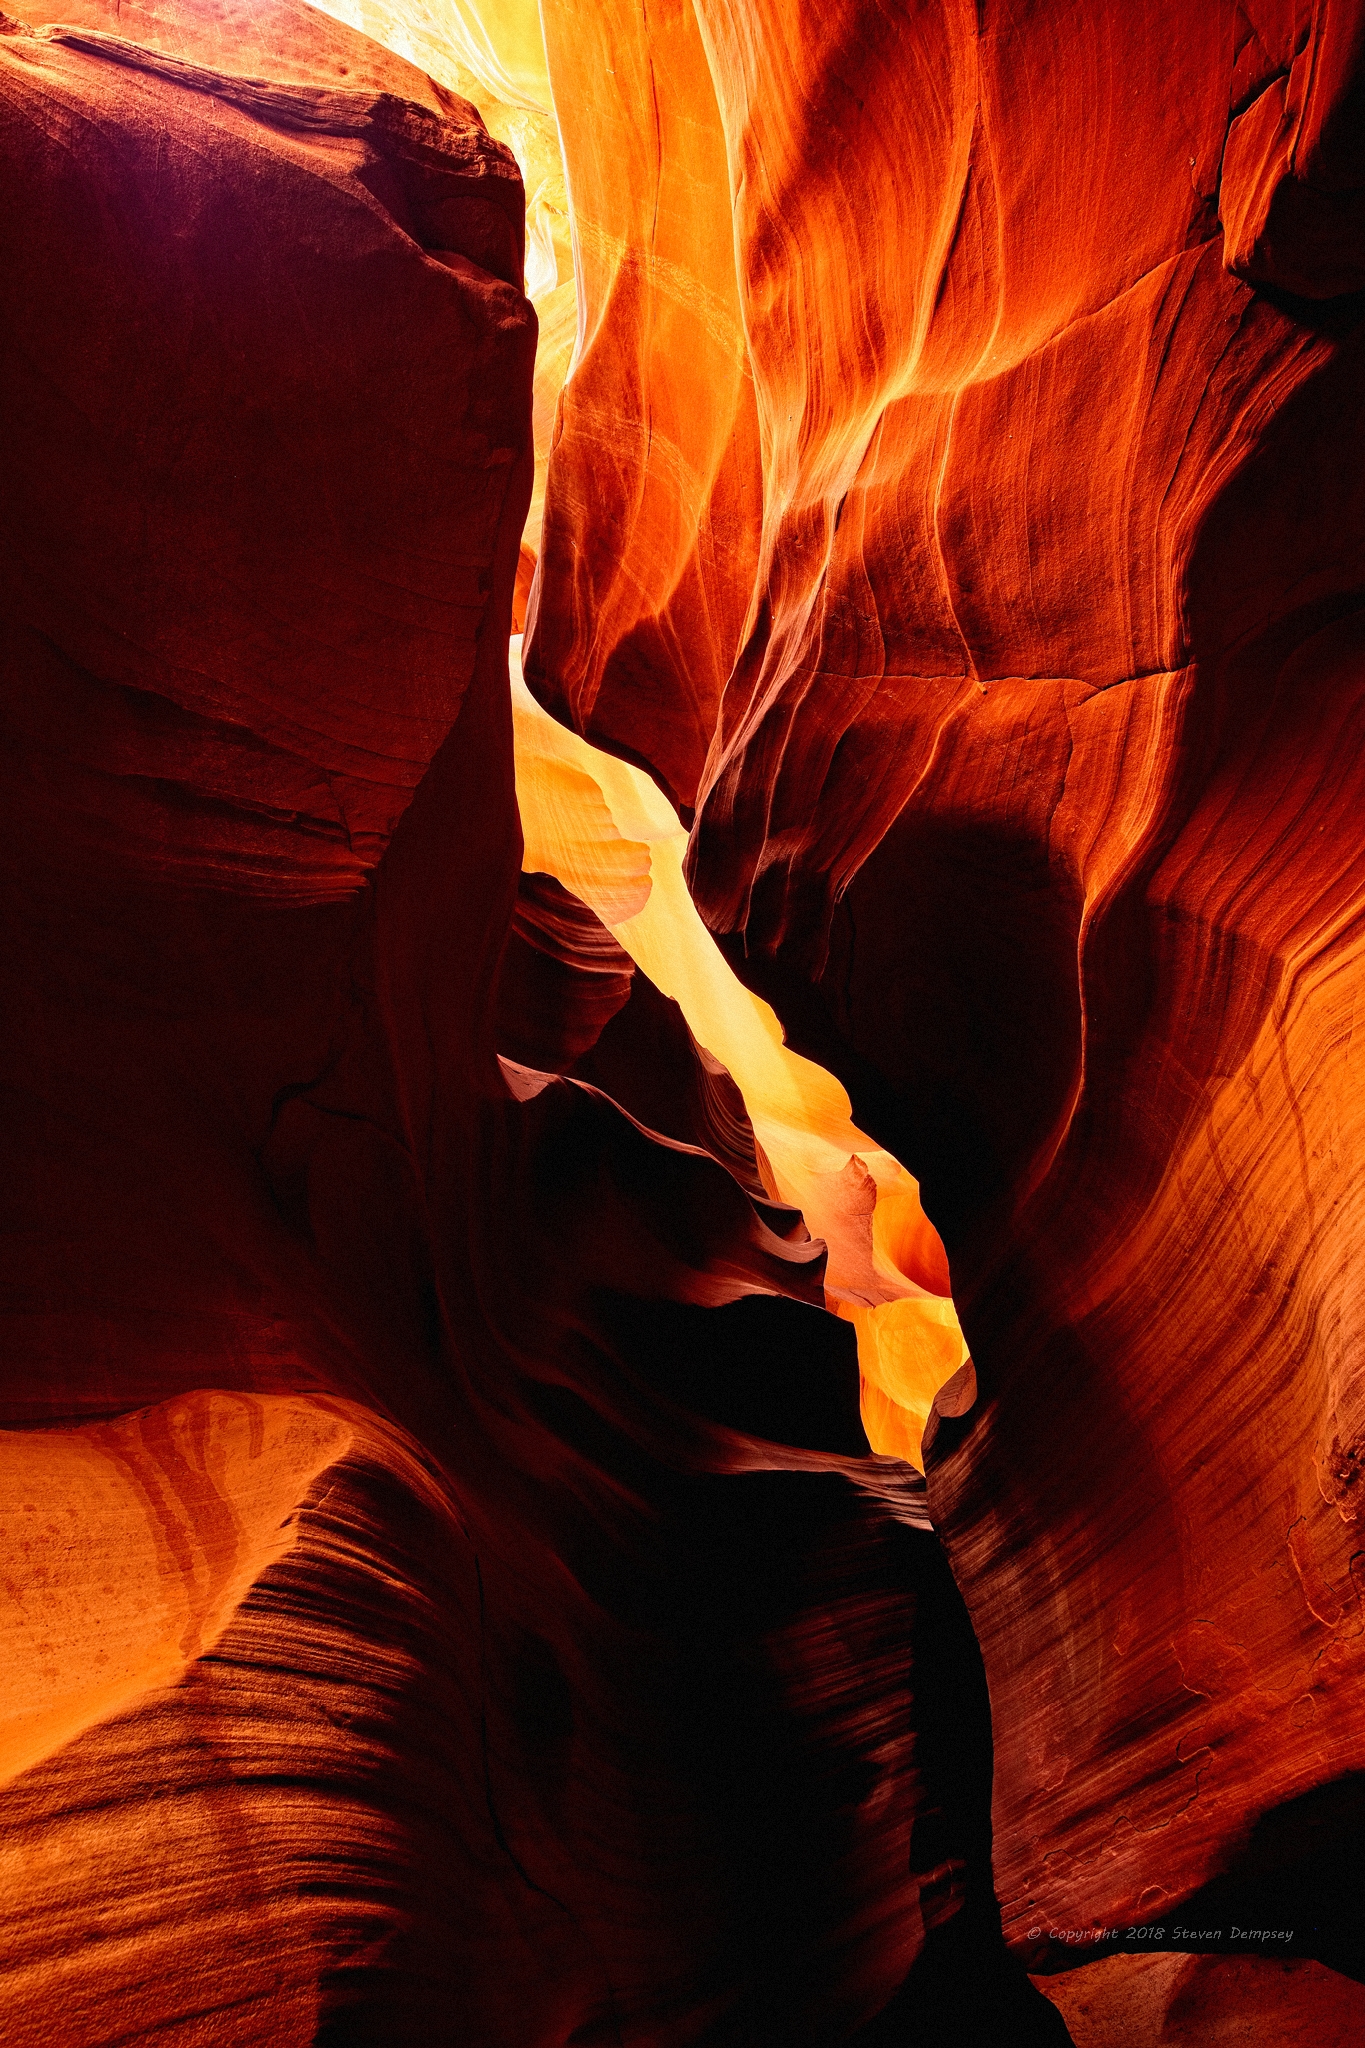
[449, 1593]
[1032, 804]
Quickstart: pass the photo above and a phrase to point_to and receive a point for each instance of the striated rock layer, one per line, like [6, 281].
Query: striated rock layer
[448, 1594]
[1031, 801]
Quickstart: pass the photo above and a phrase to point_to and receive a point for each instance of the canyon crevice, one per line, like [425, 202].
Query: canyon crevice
[684, 733]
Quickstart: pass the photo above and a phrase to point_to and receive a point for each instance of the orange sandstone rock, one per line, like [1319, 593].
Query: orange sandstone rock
[953, 515]
[510, 1638]
[652, 526]
[1030, 806]
[1207, 2002]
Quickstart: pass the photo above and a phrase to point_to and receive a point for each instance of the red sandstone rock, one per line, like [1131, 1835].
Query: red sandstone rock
[226, 668]
[958, 496]
[1208, 2002]
[563, 978]
[526, 1651]
[1032, 805]
[652, 528]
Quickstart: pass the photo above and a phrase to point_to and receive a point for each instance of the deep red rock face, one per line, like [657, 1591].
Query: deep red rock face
[453, 1597]
[228, 665]
[1032, 803]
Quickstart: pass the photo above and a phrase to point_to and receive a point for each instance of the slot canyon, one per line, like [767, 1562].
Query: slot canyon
[684, 815]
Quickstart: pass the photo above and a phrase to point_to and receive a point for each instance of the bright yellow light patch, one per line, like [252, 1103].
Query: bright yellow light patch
[606, 831]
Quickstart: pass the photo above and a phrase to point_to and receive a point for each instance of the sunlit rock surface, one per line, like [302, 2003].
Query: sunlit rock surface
[1194, 2001]
[652, 529]
[603, 828]
[448, 1592]
[449, 1596]
[1031, 804]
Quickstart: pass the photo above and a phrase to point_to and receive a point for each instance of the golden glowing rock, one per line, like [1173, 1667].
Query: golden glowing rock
[1028, 798]
[130, 1545]
[651, 532]
[605, 830]
[448, 1596]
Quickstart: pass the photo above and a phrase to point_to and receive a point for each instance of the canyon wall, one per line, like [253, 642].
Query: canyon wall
[449, 1591]
[448, 1595]
[1032, 803]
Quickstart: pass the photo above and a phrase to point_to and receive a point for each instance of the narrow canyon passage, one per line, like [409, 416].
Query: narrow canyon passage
[684, 741]
[605, 832]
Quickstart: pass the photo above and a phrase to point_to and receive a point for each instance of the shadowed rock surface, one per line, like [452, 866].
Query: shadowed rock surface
[1032, 804]
[437, 1618]
[449, 1594]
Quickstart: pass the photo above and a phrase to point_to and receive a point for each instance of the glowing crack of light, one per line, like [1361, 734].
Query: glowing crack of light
[606, 832]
